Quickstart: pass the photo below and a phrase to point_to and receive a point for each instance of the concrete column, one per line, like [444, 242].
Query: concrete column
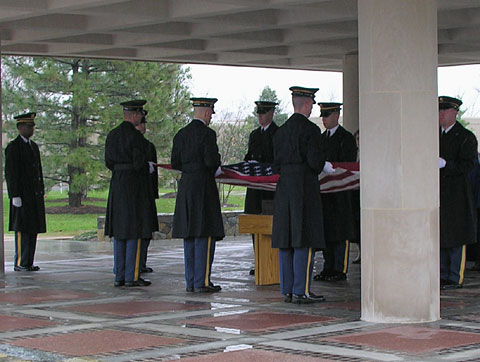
[399, 160]
[2, 241]
[350, 92]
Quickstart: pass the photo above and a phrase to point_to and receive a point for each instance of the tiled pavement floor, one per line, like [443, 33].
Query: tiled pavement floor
[70, 311]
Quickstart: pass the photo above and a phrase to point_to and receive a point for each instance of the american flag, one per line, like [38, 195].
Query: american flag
[260, 176]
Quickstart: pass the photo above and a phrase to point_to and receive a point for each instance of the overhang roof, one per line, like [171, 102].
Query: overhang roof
[298, 34]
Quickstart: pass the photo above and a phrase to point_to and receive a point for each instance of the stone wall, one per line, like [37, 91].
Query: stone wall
[165, 221]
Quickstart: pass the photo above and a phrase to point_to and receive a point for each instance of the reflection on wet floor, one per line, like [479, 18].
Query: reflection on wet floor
[71, 309]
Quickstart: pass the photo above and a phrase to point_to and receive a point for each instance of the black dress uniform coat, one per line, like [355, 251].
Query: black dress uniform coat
[298, 158]
[23, 173]
[153, 177]
[197, 209]
[338, 212]
[458, 147]
[260, 149]
[130, 206]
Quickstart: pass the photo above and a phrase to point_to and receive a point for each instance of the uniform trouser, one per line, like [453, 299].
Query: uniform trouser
[143, 253]
[198, 256]
[335, 257]
[452, 263]
[25, 244]
[126, 255]
[296, 267]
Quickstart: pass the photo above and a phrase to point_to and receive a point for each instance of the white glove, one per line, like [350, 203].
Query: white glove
[17, 201]
[328, 168]
[151, 166]
[441, 162]
[219, 171]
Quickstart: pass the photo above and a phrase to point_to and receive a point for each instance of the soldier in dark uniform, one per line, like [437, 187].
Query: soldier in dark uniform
[23, 173]
[260, 149]
[338, 215]
[458, 154]
[197, 218]
[130, 205]
[152, 185]
[297, 218]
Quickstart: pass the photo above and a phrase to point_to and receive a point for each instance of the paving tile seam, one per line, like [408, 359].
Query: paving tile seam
[321, 330]
[186, 331]
[74, 302]
[134, 351]
[65, 316]
[33, 333]
[310, 354]
[166, 334]
[177, 315]
[334, 350]
[169, 351]
[467, 347]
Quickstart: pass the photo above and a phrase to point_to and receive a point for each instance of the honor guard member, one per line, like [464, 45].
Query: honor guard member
[23, 173]
[260, 149]
[297, 217]
[197, 218]
[152, 185]
[130, 205]
[458, 154]
[338, 216]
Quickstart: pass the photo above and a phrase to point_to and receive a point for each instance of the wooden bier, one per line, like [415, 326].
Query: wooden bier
[267, 270]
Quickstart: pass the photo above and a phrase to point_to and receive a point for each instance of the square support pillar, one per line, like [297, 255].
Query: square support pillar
[399, 160]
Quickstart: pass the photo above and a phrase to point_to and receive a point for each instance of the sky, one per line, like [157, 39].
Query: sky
[237, 88]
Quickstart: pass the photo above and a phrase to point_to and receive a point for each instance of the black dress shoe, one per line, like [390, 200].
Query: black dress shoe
[207, 289]
[302, 299]
[21, 268]
[146, 270]
[449, 285]
[252, 272]
[189, 289]
[120, 283]
[216, 287]
[336, 277]
[322, 276]
[316, 298]
[443, 283]
[138, 283]
[34, 268]
[288, 298]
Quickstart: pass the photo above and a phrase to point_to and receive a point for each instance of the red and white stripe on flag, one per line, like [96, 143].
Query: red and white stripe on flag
[259, 176]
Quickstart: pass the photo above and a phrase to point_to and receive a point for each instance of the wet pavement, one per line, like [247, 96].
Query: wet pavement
[70, 311]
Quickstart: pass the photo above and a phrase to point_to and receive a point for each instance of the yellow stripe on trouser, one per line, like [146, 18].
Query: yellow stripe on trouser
[307, 279]
[19, 248]
[462, 264]
[345, 259]
[207, 269]
[137, 260]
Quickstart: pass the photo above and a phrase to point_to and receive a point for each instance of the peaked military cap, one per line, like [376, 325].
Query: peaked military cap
[445, 102]
[26, 118]
[135, 105]
[304, 92]
[265, 106]
[328, 108]
[204, 102]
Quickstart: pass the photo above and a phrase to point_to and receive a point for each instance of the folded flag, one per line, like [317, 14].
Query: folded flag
[260, 176]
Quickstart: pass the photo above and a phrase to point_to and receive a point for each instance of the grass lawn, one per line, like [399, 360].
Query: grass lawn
[75, 224]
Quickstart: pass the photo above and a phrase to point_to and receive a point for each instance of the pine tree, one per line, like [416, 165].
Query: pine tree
[77, 104]
[270, 95]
